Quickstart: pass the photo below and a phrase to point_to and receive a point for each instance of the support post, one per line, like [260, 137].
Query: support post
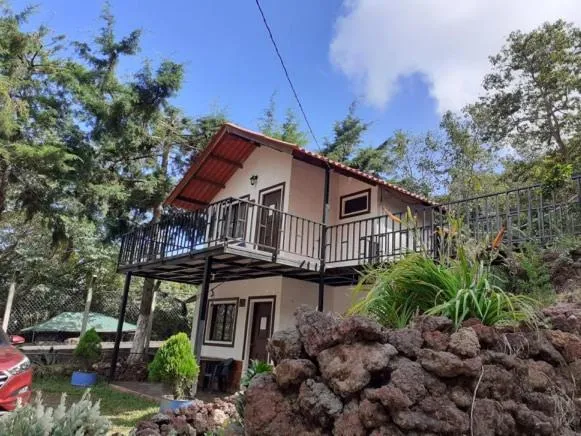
[8, 308]
[122, 310]
[88, 305]
[150, 323]
[203, 302]
[323, 241]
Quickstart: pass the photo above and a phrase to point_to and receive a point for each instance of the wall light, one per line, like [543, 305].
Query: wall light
[253, 179]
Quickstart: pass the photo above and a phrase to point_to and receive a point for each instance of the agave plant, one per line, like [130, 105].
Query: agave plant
[462, 288]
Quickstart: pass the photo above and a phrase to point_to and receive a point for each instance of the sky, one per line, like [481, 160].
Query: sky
[404, 61]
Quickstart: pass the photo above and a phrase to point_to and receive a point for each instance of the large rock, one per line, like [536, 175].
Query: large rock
[292, 372]
[444, 364]
[268, 412]
[408, 377]
[534, 422]
[348, 422]
[319, 403]
[436, 340]
[359, 329]
[432, 323]
[318, 330]
[391, 397]
[490, 419]
[434, 415]
[464, 343]
[407, 341]
[568, 344]
[285, 344]
[347, 368]
[372, 415]
[496, 383]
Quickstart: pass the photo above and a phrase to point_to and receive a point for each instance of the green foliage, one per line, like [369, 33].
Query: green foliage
[460, 289]
[81, 418]
[175, 364]
[530, 275]
[288, 131]
[255, 368]
[88, 350]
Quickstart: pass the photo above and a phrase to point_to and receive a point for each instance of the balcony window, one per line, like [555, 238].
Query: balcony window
[355, 204]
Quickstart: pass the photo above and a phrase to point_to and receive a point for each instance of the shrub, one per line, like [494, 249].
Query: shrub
[88, 350]
[460, 289]
[175, 365]
[35, 419]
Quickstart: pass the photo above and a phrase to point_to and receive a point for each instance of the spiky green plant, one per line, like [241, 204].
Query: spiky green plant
[462, 288]
[256, 367]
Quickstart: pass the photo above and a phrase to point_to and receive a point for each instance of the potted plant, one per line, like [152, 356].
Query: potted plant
[87, 352]
[174, 364]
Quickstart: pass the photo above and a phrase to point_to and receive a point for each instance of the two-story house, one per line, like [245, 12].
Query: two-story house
[268, 226]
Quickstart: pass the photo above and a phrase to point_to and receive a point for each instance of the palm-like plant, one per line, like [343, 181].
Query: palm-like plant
[461, 288]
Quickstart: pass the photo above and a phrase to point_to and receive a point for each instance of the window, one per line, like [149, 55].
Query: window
[355, 204]
[222, 321]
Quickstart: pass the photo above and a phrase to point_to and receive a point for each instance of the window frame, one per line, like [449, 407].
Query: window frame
[344, 198]
[210, 322]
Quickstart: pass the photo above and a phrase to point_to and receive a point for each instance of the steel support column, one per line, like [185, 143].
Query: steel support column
[323, 241]
[203, 301]
[120, 322]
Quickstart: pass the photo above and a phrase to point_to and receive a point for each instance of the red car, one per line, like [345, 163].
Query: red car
[15, 373]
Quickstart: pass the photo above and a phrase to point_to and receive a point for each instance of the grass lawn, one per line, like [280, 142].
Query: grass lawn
[123, 410]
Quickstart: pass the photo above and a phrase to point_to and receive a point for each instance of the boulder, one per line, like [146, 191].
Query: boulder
[359, 329]
[317, 402]
[285, 344]
[436, 340]
[348, 422]
[268, 412]
[389, 396]
[408, 377]
[444, 364]
[347, 368]
[464, 343]
[496, 383]
[292, 372]
[434, 415]
[317, 330]
[427, 323]
[533, 422]
[407, 341]
[372, 415]
[491, 419]
[568, 344]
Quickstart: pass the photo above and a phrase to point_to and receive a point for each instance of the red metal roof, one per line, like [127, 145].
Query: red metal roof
[227, 152]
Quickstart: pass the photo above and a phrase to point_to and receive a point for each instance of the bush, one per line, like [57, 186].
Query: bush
[88, 350]
[175, 365]
[460, 289]
[81, 418]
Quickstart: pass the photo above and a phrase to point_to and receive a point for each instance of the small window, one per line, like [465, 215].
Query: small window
[355, 204]
[221, 322]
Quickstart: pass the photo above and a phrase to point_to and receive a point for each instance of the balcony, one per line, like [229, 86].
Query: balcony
[247, 240]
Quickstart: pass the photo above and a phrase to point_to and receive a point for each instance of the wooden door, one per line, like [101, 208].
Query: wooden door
[260, 330]
[270, 220]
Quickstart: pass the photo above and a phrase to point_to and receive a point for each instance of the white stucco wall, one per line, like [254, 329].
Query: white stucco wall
[271, 166]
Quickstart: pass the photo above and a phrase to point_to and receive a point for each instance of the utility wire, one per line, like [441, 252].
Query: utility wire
[286, 73]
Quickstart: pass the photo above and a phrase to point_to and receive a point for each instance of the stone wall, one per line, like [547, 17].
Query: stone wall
[353, 377]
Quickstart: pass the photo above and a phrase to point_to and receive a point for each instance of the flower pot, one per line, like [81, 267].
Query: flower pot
[83, 379]
[169, 404]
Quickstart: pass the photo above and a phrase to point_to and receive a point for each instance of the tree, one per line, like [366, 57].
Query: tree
[347, 137]
[532, 102]
[288, 131]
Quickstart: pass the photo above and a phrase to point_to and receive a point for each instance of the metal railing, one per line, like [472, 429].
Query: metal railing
[230, 222]
[518, 215]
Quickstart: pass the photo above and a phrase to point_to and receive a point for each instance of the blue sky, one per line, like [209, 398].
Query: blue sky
[230, 62]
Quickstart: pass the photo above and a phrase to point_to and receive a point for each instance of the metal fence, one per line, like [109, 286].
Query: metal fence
[172, 313]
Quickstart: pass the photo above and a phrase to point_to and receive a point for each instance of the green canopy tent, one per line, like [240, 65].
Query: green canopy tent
[68, 324]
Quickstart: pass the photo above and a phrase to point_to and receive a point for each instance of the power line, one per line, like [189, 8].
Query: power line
[286, 73]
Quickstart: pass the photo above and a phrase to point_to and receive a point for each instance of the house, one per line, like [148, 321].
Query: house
[267, 226]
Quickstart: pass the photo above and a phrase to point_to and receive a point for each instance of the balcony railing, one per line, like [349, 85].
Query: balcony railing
[230, 222]
[519, 215]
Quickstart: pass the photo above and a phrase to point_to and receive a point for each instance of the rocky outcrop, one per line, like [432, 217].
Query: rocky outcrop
[199, 418]
[353, 377]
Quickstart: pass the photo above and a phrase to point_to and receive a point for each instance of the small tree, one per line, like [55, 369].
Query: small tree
[88, 350]
[175, 365]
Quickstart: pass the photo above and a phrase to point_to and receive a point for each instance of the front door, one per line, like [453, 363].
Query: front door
[269, 221]
[260, 330]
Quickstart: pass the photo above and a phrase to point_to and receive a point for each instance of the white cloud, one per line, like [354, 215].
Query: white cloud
[376, 42]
